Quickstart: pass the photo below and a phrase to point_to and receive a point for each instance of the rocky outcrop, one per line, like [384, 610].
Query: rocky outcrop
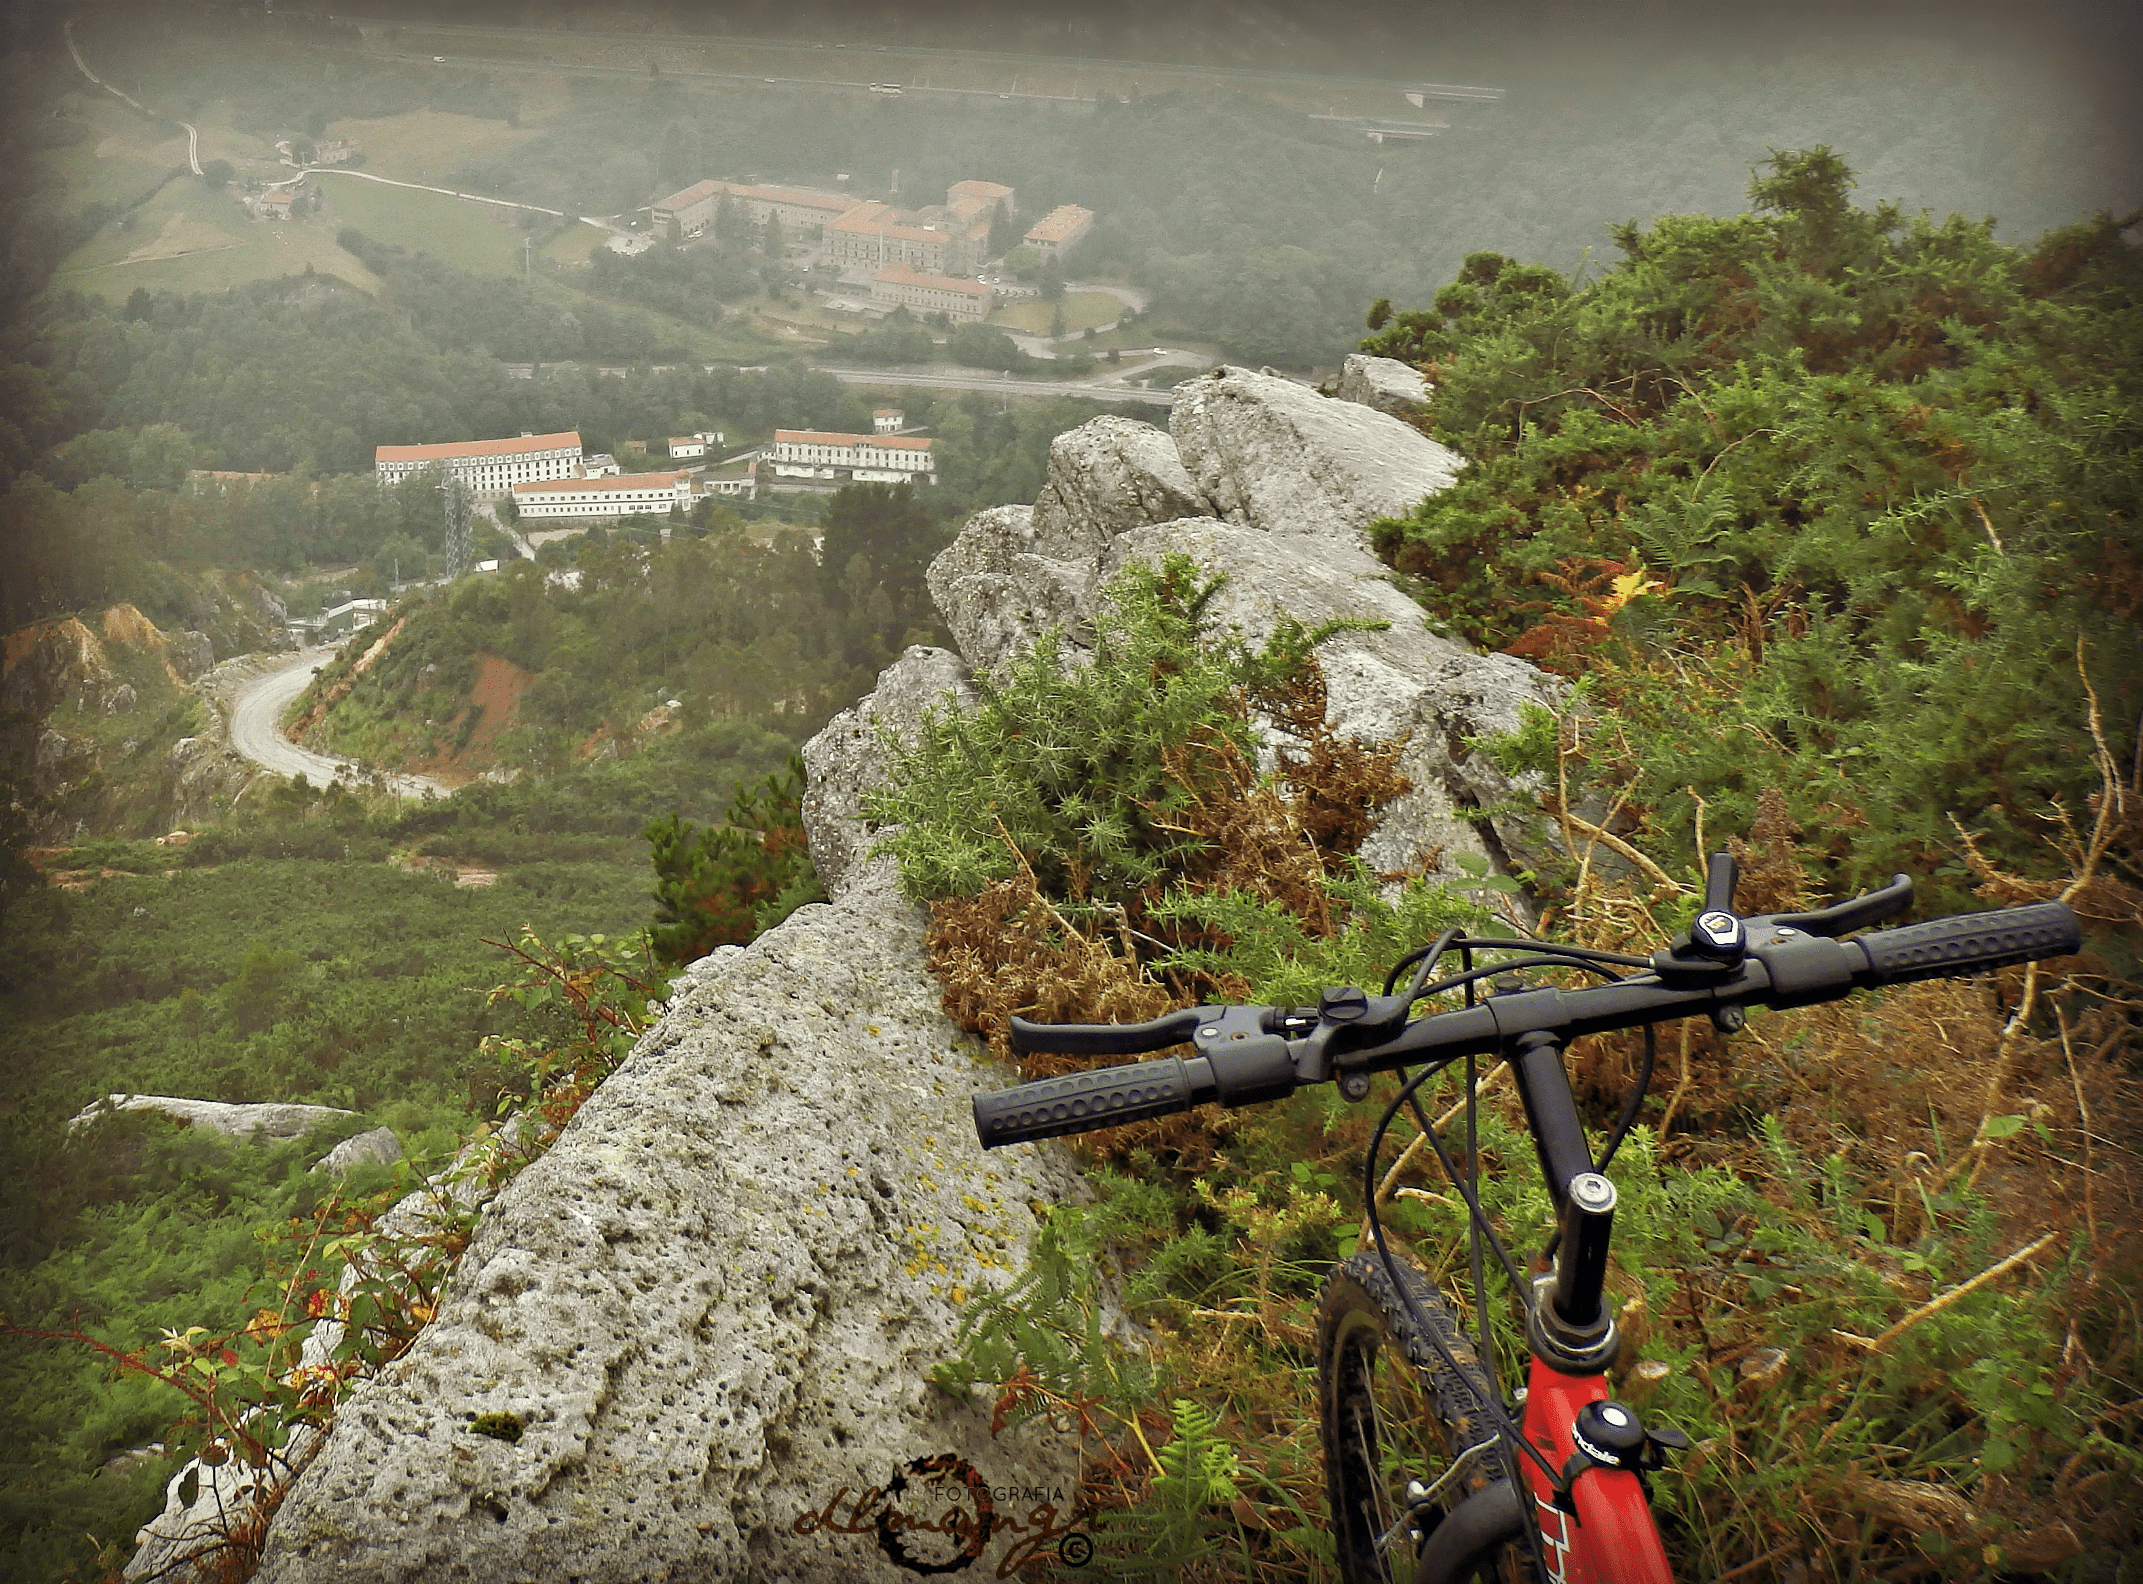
[692, 1341]
[1274, 455]
[1385, 384]
[1294, 458]
[378, 1147]
[272, 1121]
[997, 592]
[190, 654]
[848, 759]
[1105, 476]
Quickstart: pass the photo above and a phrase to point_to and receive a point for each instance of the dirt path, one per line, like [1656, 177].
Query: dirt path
[256, 714]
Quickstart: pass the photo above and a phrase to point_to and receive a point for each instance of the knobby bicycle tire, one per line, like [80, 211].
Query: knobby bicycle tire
[1392, 1410]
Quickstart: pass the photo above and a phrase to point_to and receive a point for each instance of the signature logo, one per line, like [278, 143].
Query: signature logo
[939, 1515]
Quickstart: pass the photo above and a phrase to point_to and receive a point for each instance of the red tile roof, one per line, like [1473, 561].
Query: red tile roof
[1059, 223]
[827, 438]
[517, 446]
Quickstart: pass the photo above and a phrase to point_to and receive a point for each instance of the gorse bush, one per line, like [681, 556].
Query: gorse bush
[1877, 479]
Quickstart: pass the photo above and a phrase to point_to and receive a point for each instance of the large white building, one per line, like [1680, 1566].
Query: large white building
[626, 495]
[963, 301]
[868, 459]
[487, 467]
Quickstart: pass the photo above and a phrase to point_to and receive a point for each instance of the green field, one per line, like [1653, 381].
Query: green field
[217, 245]
[575, 245]
[1080, 309]
[462, 234]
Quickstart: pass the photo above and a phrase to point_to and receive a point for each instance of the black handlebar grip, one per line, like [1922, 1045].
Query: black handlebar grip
[1971, 943]
[1081, 1102]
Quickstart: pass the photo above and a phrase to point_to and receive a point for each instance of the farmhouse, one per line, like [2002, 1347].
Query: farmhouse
[488, 467]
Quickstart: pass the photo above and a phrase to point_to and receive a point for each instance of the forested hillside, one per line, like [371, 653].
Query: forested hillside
[1829, 509]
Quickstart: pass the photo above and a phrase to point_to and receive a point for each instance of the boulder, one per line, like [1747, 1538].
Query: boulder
[121, 700]
[190, 653]
[1385, 384]
[268, 1120]
[57, 748]
[206, 778]
[1109, 474]
[692, 1341]
[379, 1146]
[1271, 454]
[997, 593]
[848, 759]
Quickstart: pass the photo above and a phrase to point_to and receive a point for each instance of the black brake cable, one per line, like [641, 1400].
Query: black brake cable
[1506, 1429]
[1478, 1223]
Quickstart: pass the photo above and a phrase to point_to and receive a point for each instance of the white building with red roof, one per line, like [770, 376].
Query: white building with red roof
[1060, 228]
[963, 301]
[487, 467]
[868, 459]
[626, 495]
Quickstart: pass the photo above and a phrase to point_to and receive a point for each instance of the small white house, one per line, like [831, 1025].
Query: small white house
[684, 448]
[887, 420]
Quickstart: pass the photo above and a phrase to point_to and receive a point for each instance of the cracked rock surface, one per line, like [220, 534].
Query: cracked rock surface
[1270, 454]
[712, 1306]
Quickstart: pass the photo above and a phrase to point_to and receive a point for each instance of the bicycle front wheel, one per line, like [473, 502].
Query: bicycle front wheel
[1421, 1490]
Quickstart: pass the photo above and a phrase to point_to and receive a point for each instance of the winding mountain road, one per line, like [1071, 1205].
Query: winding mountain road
[193, 135]
[256, 717]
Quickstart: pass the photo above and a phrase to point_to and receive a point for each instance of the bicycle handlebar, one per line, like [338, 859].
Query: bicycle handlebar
[1247, 1055]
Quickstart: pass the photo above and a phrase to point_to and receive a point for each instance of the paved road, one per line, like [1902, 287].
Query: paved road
[256, 716]
[193, 137]
[999, 385]
[1244, 76]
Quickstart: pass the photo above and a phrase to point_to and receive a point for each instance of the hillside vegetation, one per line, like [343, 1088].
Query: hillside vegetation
[1832, 517]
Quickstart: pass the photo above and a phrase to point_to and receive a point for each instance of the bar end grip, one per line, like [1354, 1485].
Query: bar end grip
[1971, 943]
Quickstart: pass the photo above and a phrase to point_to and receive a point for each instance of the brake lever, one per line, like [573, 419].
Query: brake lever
[1111, 1039]
[1842, 918]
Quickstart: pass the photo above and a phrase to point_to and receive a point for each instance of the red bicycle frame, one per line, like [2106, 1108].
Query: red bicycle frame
[1613, 1539]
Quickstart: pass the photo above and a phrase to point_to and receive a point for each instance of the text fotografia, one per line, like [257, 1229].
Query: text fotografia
[939, 1515]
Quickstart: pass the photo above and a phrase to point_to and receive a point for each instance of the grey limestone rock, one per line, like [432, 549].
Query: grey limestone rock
[848, 759]
[190, 653]
[380, 1146]
[711, 1308]
[205, 777]
[1271, 454]
[1404, 682]
[997, 592]
[1385, 384]
[270, 1120]
[56, 748]
[1109, 474]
